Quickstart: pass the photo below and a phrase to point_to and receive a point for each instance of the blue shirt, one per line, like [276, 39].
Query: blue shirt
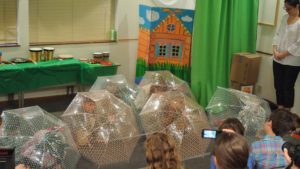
[267, 153]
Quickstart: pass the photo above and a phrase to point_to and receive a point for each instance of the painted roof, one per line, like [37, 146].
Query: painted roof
[151, 17]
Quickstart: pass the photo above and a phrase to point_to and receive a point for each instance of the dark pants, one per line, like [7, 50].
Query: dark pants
[285, 77]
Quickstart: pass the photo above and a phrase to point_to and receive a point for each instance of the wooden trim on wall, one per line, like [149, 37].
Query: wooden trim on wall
[80, 42]
[267, 24]
[68, 43]
[10, 45]
[270, 54]
[130, 39]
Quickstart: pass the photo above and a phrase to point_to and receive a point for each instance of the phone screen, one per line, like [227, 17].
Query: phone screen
[209, 134]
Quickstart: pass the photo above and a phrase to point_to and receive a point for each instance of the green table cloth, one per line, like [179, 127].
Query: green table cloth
[29, 76]
[90, 72]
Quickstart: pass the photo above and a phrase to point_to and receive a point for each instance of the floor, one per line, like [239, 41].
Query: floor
[137, 160]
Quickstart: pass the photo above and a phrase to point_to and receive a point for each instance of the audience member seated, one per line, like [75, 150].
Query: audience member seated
[296, 120]
[267, 152]
[161, 152]
[231, 151]
[295, 132]
[291, 147]
[232, 125]
[291, 151]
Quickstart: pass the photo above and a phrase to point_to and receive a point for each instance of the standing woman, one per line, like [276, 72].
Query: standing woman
[286, 52]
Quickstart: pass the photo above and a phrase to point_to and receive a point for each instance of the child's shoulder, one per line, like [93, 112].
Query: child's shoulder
[267, 139]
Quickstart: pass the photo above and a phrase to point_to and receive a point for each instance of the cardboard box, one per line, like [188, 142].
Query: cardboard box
[245, 68]
[242, 87]
[235, 85]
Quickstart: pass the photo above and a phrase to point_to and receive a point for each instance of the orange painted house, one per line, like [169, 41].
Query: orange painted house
[144, 42]
[170, 42]
[165, 37]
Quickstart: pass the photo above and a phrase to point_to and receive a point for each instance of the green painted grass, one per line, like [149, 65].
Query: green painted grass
[141, 67]
[183, 72]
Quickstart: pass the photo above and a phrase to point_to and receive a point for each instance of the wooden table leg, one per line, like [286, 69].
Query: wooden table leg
[21, 99]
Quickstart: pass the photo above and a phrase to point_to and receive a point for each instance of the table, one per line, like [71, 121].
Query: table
[29, 76]
[24, 77]
[90, 72]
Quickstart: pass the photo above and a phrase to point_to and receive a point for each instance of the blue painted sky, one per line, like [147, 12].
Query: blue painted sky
[150, 17]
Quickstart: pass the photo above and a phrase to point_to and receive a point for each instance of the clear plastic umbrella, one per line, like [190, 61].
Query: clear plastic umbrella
[179, 116]
[40, 139]
[251, 110]
[103, 126]
[119, 87]
[161, 81]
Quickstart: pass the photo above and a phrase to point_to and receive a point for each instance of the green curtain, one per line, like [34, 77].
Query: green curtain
[221, 28]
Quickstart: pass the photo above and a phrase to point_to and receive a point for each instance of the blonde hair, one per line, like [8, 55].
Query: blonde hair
[161, 152]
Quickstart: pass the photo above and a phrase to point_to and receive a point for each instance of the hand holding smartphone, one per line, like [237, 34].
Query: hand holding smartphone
[210, 133]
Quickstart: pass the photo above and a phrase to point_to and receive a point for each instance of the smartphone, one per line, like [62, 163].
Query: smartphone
[210, 133]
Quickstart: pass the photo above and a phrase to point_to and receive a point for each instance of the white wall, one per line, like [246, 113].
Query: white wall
[265, 33]
[183, 4]
[265, 83]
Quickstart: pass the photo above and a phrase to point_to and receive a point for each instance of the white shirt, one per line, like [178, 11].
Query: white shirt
[287, 38]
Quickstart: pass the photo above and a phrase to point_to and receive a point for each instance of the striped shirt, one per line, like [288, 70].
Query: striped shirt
[267, 153]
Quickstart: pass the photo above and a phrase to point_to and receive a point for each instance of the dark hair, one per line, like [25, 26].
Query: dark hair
[296, 120]
[282, 122]
[293, 3]
[295, 161]
[231, 151]
[233, 124]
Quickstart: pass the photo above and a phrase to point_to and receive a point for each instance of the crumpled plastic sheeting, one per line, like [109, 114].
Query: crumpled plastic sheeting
[119, 87]
[251, 110]
[179, 116]
[103, 127]
[161, 81]
[40, 139]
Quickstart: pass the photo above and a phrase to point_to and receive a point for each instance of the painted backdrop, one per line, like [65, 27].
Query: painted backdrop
[165, 37]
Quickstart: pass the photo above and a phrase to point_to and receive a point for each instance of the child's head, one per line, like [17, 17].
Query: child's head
[161, 152]
[296, 120]
[283, 122]
[231, 151]
[233, 124]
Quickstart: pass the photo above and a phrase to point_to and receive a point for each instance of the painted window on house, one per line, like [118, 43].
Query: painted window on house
[175, 51]
[161, 50]
[168, 49]
[171, 27]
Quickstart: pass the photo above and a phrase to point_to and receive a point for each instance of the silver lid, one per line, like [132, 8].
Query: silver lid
[48, 48]
[35, 49]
